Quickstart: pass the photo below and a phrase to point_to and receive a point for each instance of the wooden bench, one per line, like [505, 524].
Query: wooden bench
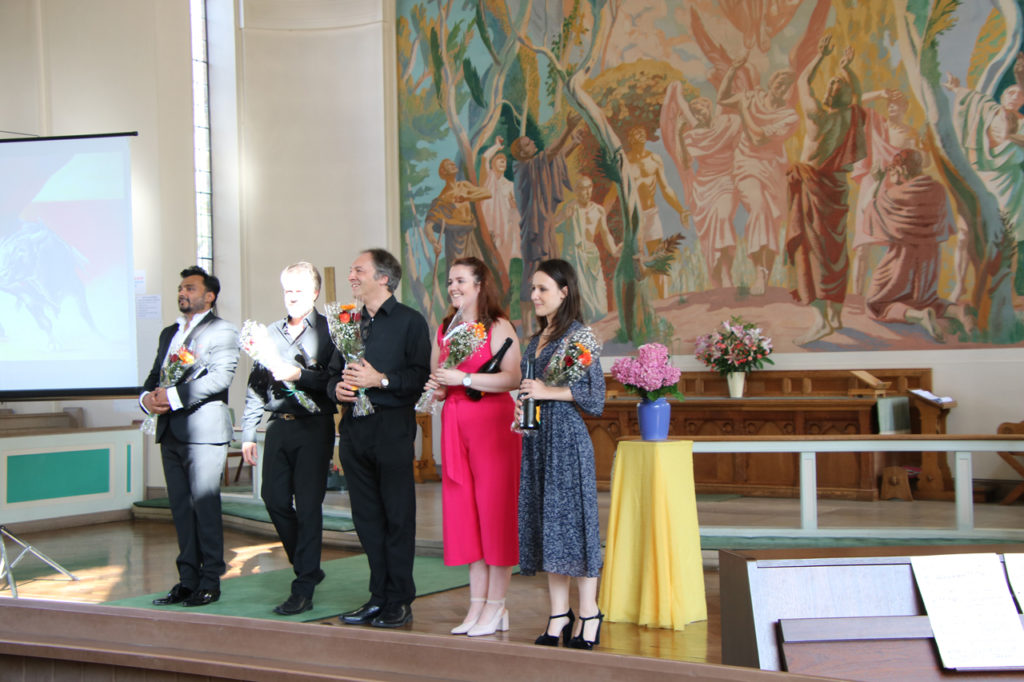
[26, 423]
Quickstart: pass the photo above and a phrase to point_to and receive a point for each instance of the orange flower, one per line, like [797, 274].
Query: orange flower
[186, 357]
[479, 331]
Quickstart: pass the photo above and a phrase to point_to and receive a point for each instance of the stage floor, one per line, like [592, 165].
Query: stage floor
[128, 558]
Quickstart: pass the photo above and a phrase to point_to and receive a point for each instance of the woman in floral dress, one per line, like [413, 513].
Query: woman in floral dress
[558, 519]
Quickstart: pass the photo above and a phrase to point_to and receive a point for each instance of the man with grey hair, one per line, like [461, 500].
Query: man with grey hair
[300, 435]
[377, 450]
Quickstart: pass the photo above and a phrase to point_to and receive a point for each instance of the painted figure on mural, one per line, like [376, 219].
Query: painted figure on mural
[542, 181]
[648, 174]
[501, 214]
[910, 213]
[883, 137]
[991, 134]
[451, 215]
[583, 223]
[499, 209]
[698, 134]
[768, 121]
[818, 189]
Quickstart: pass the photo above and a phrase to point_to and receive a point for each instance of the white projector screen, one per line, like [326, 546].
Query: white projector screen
[67, 303]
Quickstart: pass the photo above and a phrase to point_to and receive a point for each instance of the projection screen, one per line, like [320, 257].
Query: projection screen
[67, 304]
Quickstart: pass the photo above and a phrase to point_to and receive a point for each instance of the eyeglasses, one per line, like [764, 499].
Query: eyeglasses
[364, 328]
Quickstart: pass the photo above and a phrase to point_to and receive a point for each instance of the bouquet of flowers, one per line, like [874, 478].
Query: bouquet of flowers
[736, 346]
[256, 343]
[573, 358]
[343, 322]
[458, 344]
[650, 374]
[173, 370]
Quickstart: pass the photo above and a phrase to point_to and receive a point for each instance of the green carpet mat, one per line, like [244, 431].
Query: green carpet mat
[255, 511]
[713, 543]
[344, 588]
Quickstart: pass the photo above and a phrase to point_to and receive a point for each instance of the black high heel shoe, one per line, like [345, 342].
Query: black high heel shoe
[578, 642]
[552, 640]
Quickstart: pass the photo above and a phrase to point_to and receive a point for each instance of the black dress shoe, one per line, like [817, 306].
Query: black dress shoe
[393, 616]
[361, 616]
[178, 594]
[202, 598]
[293, 605]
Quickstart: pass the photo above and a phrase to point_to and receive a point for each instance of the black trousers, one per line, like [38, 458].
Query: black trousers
[377, 453]
[296, 454]
[193, 472]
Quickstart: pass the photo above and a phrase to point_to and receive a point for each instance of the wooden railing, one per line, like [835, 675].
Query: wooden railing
[963, 448]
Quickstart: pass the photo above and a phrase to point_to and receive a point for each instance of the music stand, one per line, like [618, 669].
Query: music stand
[6, 567]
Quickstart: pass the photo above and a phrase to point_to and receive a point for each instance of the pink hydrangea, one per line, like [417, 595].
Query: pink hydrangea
[650, 373]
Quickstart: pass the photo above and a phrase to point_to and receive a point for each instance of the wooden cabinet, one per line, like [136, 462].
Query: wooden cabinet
[779, 403]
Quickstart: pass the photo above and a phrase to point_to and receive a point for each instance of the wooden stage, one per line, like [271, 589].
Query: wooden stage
[137, 557]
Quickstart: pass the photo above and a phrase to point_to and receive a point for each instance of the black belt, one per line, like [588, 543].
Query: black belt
[287, 416]
[291, 416]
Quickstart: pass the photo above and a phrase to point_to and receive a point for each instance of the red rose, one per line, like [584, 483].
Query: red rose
[344, 318]
[568, 361]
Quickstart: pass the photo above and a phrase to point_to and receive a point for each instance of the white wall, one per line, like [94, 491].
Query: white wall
[70, 68]
[314, 155]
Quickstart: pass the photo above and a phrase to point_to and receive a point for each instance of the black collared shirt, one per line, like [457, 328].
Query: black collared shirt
[311, 351]
[397, 344]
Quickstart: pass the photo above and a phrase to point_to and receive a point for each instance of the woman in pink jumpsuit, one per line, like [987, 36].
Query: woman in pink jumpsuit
[479, 452]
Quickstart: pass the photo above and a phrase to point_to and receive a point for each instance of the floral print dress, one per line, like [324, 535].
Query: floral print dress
[559, 531]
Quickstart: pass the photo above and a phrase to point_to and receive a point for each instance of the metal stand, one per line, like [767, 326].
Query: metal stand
[7, 566]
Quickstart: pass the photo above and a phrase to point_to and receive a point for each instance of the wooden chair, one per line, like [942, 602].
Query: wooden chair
[1011, 459]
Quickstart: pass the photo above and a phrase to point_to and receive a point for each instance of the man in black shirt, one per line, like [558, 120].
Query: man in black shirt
[377, 450]
[300, 432]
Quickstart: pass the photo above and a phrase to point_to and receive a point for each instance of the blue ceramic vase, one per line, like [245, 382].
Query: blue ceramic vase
[654, 418]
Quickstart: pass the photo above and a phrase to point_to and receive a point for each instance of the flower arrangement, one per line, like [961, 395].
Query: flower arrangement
[736, 346]
[650, 374]
[174, 369]
[573, 359]
[255, 341]
[458, 344]
[343, 323]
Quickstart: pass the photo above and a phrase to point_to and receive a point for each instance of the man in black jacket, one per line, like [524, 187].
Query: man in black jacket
[300, 433]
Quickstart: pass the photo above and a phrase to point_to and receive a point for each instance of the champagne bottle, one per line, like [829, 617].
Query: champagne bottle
[531, 410]
[492, 366]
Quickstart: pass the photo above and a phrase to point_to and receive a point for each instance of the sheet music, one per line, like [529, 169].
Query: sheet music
[1014, 564]
[971, 611]
[928, 395]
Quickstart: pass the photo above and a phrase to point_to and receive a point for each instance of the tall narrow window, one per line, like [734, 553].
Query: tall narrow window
[201, 137]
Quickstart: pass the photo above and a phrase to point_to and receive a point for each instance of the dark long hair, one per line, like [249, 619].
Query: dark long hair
[570, 311]
[488, 308]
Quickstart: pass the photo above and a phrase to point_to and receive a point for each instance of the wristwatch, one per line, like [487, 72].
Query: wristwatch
[467, 380]
[384, 382]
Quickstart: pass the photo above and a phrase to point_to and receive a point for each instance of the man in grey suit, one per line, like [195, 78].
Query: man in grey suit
[188, 390]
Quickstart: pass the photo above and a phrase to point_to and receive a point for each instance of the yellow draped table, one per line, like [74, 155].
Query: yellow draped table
[653, 574]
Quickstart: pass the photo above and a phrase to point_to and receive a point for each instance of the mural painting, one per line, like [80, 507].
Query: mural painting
[845, 173]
